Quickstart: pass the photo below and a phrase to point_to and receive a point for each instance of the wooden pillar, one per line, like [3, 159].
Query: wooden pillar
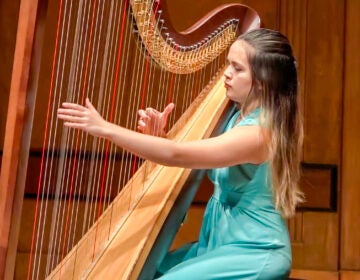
[13, 161]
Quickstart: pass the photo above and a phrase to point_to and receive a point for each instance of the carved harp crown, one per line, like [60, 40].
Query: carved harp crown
[98, 208]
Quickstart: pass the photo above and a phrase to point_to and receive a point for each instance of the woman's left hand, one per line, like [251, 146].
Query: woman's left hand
[85, 118]
[153, 122]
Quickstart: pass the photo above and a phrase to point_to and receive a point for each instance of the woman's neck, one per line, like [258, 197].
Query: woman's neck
[249, 107]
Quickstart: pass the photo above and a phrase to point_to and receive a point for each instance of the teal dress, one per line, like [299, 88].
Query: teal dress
[242, 236]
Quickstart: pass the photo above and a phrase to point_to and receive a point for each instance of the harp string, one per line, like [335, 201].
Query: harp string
[57, 202]
[79, 138]
[121, 101]
[63, 199]
[119, 98]
[164, 92]
[98, 31]
[132, 104]
[94, 151]
[137, 75]
[146, 92]
[113, 149]
[146, 85]
[103, 171]
[106, 146]
[42, 176]
[97, 145]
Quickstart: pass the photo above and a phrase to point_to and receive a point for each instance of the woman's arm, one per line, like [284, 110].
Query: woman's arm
[240, 145]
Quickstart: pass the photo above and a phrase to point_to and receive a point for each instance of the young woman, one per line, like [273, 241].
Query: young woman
[254, 164]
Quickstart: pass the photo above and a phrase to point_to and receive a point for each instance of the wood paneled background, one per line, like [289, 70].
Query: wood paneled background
[325, 35]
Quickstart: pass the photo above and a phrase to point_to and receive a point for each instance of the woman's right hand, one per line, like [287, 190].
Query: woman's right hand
[153, 122]
[86, 118]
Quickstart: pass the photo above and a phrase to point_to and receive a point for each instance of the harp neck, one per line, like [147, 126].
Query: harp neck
[190, 50]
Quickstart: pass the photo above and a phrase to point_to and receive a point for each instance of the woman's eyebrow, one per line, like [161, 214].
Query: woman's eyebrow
[236, 63]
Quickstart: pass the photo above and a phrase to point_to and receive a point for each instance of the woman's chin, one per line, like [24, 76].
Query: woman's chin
[228, 95]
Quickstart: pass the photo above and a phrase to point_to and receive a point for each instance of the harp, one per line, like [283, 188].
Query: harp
[99, 209]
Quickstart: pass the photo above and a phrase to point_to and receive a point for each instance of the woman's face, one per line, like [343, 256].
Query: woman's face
[238, 79]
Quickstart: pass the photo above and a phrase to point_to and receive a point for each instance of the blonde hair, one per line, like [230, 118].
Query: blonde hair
[275, 85]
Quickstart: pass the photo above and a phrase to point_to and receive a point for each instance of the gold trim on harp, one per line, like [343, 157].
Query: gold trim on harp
[179, 60]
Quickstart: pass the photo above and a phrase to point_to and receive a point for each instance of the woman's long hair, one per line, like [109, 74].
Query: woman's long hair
[275, 85]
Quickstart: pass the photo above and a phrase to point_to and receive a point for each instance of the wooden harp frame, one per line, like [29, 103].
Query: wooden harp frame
[166, 181]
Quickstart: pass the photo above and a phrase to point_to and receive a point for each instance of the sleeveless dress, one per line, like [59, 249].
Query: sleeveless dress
[242, 236]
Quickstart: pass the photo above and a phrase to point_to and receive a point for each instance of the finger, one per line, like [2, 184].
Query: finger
[168, 109]
[143, 115]
[70, 112]
[151, 111]
[89, 105]
[141, 123]
[70, 118]
[73, 106]
[152, 114]
[141, 127]
[74, 125]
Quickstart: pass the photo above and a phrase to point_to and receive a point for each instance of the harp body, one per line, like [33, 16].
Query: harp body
[126, 219]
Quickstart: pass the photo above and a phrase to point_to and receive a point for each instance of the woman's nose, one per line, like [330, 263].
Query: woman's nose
[227, 73]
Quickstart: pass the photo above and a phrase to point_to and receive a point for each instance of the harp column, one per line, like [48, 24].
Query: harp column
[17, 139]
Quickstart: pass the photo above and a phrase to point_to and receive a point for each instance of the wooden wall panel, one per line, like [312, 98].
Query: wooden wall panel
[268, 10]
[318, 47]
[350, 184]
[350, 275]
[293, 23]
[323, 81]
[315, 275]
[318, 249]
